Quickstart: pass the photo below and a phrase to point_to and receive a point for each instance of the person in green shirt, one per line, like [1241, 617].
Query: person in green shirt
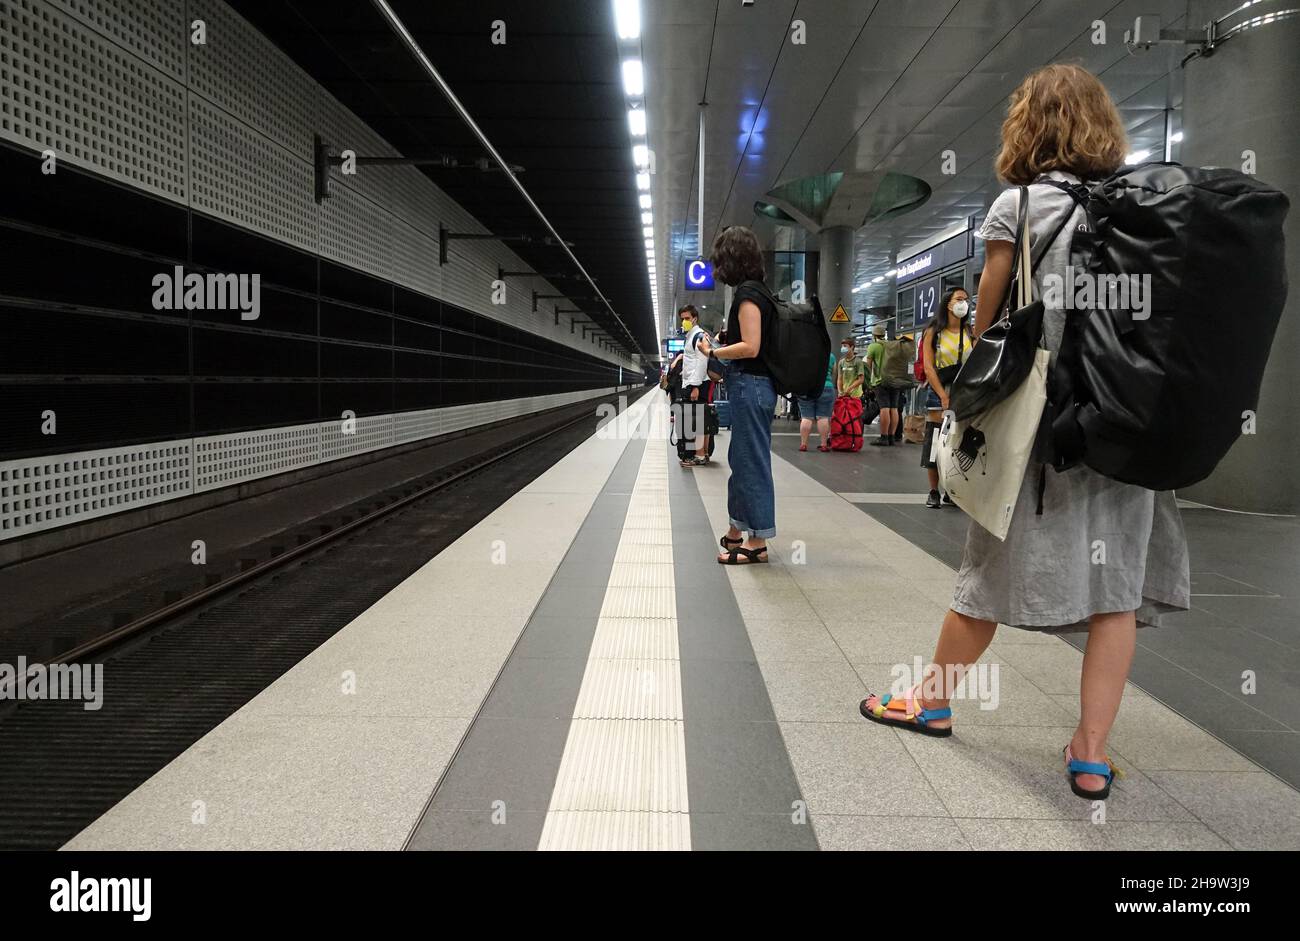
[852, 373]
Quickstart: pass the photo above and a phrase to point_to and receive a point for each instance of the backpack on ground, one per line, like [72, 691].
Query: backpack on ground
[1128, 394]
[895, 363]
[795, 345]
[846, 424]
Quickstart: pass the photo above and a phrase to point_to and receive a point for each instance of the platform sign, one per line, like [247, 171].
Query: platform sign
[699, 275]
[840, 315]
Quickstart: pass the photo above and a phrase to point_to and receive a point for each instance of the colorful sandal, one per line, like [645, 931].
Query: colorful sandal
[907, 714]
[1107, 770]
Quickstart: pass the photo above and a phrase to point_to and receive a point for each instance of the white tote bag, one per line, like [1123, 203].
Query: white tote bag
[982, 460]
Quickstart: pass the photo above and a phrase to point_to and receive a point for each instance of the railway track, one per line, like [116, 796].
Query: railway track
[175, 673]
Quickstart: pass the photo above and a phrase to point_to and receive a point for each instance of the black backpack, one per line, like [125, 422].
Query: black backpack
[1157, 401]
[796, 345]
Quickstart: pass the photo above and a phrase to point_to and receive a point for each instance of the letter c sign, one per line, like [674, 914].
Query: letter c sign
[699, 275]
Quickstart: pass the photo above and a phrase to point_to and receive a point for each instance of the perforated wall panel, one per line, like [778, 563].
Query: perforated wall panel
[222, 460]
[45, 492]
[357, 232]
[238, 70]
[240, 176]
[414, 259]
[66, 88]
[155, 30]
[57, 490]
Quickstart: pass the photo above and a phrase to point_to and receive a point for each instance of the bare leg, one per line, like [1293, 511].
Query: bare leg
[1112, 638]
[824, 431]
[805, 427]
[962, 641]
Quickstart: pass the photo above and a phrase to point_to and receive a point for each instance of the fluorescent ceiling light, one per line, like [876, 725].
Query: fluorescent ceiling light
[649, 243]
[645, 200]
[647, 218]
[627, 18]
[633, 78]
[1176, 138]
[641, 156]
[643, 181]
[877, 279]
[891, 272]
[636, 122]
[1137, 156]
[647, 231]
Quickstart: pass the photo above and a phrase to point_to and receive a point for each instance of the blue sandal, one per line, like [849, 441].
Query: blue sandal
[907, 714]
[1106, 769]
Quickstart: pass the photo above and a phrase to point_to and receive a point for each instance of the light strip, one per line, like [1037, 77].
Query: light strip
[400, 29]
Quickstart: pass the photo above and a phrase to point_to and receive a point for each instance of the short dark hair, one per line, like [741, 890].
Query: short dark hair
[736, 256]
[688, 309]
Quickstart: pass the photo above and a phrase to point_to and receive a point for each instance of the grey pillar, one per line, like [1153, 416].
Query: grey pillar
[835, 279]
[1247, 97]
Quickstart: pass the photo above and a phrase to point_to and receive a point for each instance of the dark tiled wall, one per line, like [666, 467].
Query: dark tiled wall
[79, 335]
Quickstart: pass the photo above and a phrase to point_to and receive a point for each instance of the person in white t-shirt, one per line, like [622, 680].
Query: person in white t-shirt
[696, 387]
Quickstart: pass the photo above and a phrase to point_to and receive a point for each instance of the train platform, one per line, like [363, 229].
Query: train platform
[576, 672]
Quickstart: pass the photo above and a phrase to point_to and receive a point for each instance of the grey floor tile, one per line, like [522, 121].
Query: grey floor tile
[1018, 772]
[1075, 835]
[510, 760]
[1156, 738]
[814, 691]
[1251, 810]
[888, 834]
[446, 830]
[1053, 668]
[1205, 704]
[716, 831]
[792, 640]
[536, 688]
[739, 767]
[557, 636]
[1279, 752]
[724, 691]
[841, 767]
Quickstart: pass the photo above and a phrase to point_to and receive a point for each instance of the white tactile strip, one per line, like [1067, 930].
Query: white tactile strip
[622, 779]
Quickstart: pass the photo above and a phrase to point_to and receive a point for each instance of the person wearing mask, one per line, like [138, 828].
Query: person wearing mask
[1061, 125]
[695, 384]
[751, 497]
[819, 409]
[945, 345]
[852, 374]
[888, 397]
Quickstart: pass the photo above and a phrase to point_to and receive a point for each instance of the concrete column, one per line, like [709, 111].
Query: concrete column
[1247, 97]
[835, 279]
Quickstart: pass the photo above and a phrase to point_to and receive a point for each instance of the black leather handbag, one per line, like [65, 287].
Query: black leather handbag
[1002, 357]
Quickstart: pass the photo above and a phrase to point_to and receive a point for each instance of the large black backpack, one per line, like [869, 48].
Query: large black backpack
[796, 345]
[1158, 400]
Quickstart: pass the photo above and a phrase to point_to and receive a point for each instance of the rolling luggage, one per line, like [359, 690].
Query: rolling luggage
[846, 424]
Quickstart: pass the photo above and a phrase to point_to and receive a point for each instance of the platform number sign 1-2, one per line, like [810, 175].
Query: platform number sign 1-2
[927, 296]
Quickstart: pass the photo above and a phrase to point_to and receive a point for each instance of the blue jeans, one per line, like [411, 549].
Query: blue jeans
[751, 501]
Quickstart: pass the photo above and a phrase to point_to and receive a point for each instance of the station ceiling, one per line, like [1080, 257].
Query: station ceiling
[550, 99]
[877, 84]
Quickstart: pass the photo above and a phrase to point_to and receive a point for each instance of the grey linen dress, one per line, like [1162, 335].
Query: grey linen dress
[1099, 546]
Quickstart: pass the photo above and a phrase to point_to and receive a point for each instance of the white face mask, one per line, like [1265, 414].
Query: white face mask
[960, 308]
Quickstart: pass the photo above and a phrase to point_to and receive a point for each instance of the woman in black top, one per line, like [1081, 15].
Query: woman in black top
[751, 500]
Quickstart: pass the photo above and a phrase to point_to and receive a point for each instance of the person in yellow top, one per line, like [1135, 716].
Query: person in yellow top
[852, 374]
[945, 345]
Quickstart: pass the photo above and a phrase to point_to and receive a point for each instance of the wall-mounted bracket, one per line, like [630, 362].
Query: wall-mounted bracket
[324, 159]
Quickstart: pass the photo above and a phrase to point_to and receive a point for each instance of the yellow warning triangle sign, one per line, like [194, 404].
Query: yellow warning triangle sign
[840, 315]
